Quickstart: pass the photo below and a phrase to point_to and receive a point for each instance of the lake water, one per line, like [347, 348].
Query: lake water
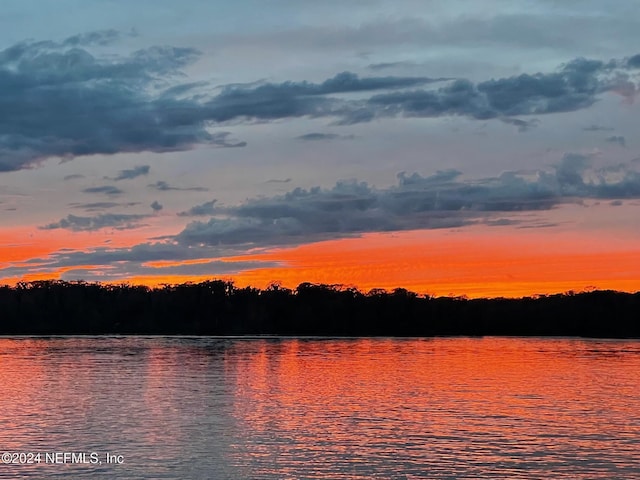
[211, 408]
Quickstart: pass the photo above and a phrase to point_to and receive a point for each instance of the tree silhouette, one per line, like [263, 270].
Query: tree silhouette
[218, 307]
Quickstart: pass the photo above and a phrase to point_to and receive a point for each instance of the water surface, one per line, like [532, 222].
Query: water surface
[460, 408]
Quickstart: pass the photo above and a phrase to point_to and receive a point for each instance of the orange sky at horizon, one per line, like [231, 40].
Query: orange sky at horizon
[439, 262]
[20, 244]
[486, 263]
[473, 262]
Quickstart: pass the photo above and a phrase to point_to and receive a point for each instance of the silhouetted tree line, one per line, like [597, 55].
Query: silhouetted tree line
[220, 308]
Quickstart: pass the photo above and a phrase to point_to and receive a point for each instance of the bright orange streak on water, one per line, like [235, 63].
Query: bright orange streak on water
[296, 408]
[491, 393]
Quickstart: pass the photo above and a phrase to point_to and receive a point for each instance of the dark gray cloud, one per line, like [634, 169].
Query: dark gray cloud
[77, 223]
[324, 136]
[318, 136]
[95, 206]
[73, 176]
[618, 139]
[130, 173]
[59, 99]
[164, 187]
[388, 65]
[141, 253]
[350, 208]
[279, 180]
[634, 62]
[501, 222]
[441, 200]
[117, 263]
[211, 269]
[101, 37]
[522, 125]
[106, 189]
[272, 101]
[221, 139]
[570, 173]
[155, 206]
[206, 208]
[344, 82]
[597, 128]
[575, 86]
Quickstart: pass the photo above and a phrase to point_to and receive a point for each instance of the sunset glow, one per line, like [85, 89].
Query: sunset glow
[486, 263]
[378, 147]
[474, 262]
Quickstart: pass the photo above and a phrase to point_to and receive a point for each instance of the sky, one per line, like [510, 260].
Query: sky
[458, 148]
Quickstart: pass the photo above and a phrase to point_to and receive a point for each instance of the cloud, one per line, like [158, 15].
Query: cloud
[141, 253]
[441, 200]
[107, 220]
[164, 187]
[130, 173]
[93, 206]
[388, 65]
[73, 176]
[597, 128]
[155, 206]
[575, 86]
[118, 263]
[324, 136]
[444, 199]
[318, 136]
[206, 208]
[522, 125]
[209, 268]
[101, 37]
[219, 139]
[106, 189]
[501, 222]
[618, 139]
[278, 180]
[634, 62]
[62, 100]
[115, 273]
[570, 171]
[271, 101]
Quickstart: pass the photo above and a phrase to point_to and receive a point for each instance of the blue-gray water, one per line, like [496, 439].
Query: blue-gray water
[215, 408]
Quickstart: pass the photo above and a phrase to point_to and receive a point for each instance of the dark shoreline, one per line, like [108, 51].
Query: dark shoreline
[218, 308]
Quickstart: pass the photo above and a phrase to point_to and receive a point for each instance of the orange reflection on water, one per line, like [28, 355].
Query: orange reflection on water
[417, 406]
[20, 385]
[302, 408]
[73, 395]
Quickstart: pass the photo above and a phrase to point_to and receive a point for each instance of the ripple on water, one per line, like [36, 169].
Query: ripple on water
[309, 408]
